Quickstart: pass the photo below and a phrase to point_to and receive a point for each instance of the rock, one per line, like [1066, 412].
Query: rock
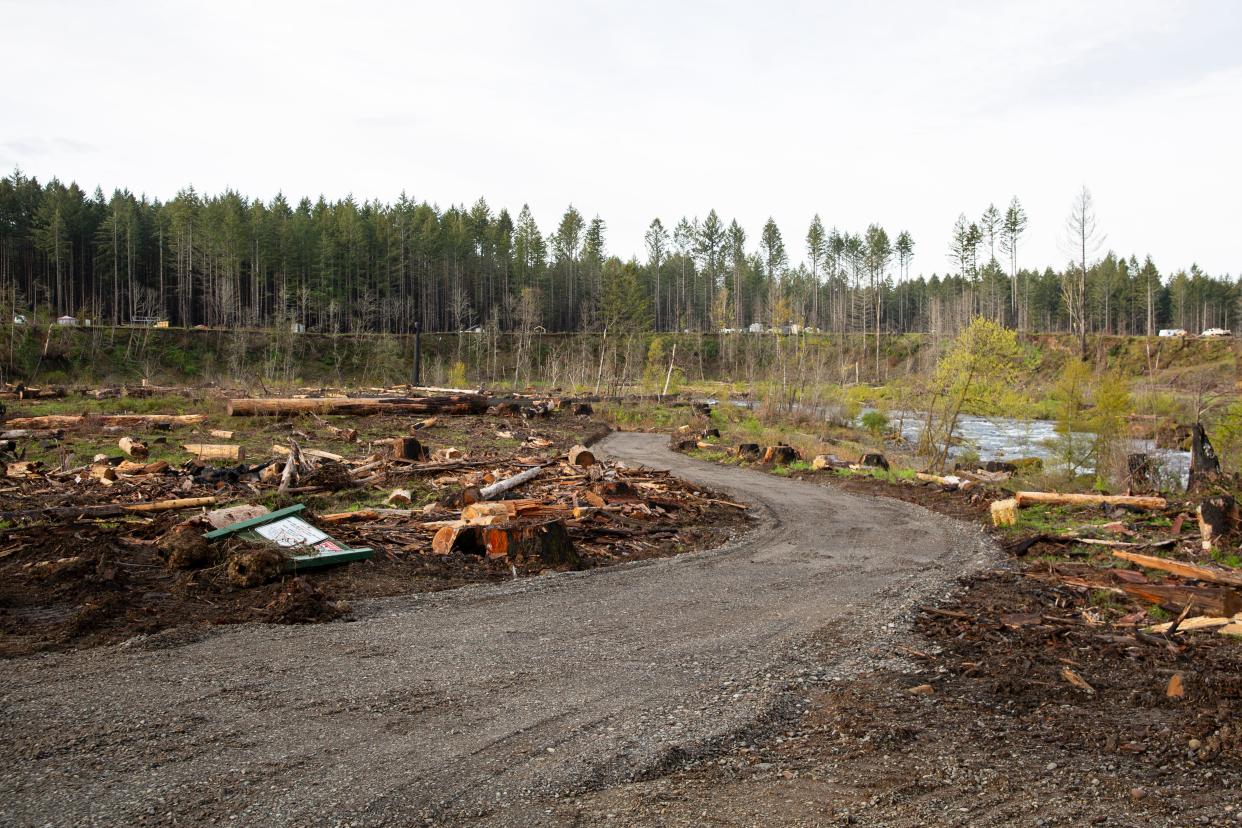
[875, 460]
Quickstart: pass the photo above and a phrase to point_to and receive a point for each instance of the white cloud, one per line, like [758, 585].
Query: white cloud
[900, 113]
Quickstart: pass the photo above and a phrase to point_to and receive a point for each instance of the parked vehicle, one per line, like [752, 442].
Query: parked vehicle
[1217, 332]
[1173, 332]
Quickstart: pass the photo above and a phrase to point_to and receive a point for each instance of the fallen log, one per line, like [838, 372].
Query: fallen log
[502, 486]
[215, 451]
[74, 420]
[951, 482]
[1059, 499]
[109, 509]
[32, 434]
[221, 434]
[1209, 600]
[133, 447]
[581, 456]
[1185, 570]
[365, 406]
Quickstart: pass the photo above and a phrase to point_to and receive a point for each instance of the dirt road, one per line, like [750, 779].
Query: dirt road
[479, 705]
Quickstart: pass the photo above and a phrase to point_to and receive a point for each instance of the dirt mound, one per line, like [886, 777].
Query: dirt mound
[330, 475]
[254, 566]
[184, 546]
[301, 602]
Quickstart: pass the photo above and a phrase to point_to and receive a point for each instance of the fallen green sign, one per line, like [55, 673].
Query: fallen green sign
[310, 547]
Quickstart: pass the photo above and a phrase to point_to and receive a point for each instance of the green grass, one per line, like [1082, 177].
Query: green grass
[1229, 559]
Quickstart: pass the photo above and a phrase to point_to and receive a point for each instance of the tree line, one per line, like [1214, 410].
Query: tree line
[229, 261]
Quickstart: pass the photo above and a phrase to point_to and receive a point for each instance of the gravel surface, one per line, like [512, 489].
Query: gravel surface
[481, 705]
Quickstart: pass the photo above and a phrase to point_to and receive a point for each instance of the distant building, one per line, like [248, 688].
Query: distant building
[755, 327]
[67, 320]
[297, 327]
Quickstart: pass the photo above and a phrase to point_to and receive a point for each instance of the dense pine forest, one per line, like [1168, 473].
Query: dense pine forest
[229, 261]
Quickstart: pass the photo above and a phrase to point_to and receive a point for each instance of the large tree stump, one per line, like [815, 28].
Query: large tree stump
[749, 451]
[1204, 464]
[781, 455]
[543, 543]
[409, 448]
[874, 460]
[1218, 517]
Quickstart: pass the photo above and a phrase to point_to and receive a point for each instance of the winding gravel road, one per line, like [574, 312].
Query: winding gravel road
[483, 704]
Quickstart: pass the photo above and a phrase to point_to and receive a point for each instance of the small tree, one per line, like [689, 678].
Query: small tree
[974, 375]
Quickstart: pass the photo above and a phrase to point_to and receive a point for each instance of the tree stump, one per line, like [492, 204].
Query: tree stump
[1204, 464]
[583, 410]
[711, 432]
[409, 448]
[781, 455]
[1218, 517]
[544, 543]
[874, 460]
[748, 451]
[685, 445]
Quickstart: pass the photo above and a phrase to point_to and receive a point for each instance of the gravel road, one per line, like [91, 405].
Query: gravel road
[479, 705]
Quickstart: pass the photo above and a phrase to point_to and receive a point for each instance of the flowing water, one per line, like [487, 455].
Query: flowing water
[1006, 438]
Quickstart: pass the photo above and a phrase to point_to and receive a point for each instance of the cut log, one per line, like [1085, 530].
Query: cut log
[1005, 512]
[109, 509]
[400, 497]
[781, 455]
[1218, 517]
[133, 447]
[1185, 570]
[221, 434]
[1204, 464]
[425, 424]
[22, 468]
[103, 472]
[581, 456]
[502, 486]
[215, 451]
[1199, 622]
[75, 420]
[827, 461]
[1058, 499]
[409, 448]
[447, 455]
[358, 406]
[446, 537]
[32, 434]
[1209, 600]
[132, 467]
[951, 482]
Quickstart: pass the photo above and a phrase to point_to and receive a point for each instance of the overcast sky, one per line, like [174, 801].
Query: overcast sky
[895, 113]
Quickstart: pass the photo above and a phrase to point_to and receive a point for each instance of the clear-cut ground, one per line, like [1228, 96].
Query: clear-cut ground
[484, 704]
